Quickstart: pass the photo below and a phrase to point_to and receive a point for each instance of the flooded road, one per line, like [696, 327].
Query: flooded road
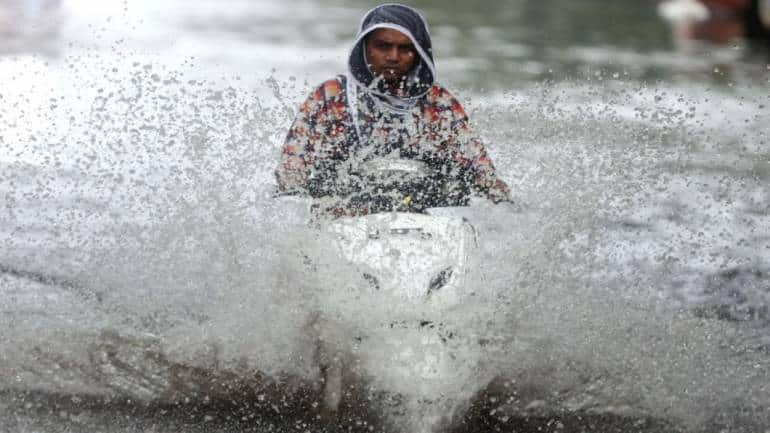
[147, 275]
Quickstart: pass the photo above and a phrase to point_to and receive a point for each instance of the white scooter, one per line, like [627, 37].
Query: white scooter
[393, 280]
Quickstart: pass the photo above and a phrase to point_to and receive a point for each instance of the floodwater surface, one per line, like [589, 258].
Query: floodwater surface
[150, 280]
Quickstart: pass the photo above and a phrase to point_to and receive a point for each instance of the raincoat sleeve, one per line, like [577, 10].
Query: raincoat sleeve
[470, 153]
[299, 149]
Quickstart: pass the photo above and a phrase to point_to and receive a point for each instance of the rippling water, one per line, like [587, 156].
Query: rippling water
[148, 281]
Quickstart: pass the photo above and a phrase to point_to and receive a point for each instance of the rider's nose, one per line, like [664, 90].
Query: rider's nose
[392, 55]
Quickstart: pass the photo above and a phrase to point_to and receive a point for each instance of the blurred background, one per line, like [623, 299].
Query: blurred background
[489, 44]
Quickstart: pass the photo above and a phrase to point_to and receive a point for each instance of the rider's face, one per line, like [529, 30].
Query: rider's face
[390, 54]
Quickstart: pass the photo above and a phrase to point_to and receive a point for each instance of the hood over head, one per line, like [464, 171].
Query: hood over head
[409, 22]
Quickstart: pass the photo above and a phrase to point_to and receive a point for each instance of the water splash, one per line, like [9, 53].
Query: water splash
[154, 205]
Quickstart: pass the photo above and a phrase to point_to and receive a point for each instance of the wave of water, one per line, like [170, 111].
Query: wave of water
[146, 262]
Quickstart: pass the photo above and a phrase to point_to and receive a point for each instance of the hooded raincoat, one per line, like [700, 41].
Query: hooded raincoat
[354, 117]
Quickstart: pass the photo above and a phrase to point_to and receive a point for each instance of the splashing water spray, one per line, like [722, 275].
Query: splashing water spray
[163, 270]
